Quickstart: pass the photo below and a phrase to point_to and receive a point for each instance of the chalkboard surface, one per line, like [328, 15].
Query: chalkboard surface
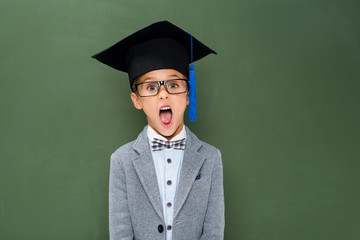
[281, 101]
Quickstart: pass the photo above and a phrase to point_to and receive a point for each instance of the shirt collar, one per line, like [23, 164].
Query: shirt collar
[152, 134]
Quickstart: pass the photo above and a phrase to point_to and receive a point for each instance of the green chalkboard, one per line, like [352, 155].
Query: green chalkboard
[281, 101]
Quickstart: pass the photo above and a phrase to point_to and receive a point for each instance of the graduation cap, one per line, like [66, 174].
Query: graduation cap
[161, 45]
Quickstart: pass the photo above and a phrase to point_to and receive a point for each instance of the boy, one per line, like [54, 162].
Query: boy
[166, 184]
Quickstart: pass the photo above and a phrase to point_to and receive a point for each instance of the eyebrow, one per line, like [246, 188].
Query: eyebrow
[173, 75]
[148, 78]
[167, 78]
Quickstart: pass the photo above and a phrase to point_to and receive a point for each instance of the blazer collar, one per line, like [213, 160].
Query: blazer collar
[145, 169]
[141, 144]
[192, 163]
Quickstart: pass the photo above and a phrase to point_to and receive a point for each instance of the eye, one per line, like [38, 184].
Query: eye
[151, 87]
[173, 85]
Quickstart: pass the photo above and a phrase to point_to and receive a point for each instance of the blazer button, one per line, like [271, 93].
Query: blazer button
[160, 228]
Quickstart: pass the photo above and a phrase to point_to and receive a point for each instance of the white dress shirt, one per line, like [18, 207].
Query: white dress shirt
[168, 164]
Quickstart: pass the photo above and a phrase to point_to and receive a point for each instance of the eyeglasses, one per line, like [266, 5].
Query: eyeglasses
[152, 88]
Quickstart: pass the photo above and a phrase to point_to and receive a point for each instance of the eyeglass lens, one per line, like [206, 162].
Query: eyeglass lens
[151, 88]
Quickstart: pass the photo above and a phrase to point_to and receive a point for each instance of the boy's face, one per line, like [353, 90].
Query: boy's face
[164, 111]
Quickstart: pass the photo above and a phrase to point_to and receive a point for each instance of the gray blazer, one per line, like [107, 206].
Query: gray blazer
[135, 209]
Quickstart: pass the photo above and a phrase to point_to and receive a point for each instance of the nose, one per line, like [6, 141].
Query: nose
[163, 94]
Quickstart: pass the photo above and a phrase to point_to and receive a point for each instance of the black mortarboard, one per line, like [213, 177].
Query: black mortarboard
[161, 45]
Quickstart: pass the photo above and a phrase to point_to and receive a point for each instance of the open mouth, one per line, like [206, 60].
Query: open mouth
[165, 115]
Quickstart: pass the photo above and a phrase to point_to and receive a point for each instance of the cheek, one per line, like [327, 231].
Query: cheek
[183, 103]
[149, 108]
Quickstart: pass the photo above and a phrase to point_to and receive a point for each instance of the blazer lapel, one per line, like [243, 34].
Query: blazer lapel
[145, 169]
[191, 165]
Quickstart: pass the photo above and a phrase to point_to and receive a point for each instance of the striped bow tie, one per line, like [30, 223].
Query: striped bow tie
[158, 144]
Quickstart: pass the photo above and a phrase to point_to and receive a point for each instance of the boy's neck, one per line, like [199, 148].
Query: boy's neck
[180, 132]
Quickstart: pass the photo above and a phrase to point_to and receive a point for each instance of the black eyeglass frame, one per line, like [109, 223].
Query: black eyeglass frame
[164, 84]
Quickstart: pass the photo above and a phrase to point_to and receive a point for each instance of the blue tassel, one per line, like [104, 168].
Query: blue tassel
[192, 94]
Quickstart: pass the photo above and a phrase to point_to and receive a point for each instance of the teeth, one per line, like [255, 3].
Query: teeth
[164, 108]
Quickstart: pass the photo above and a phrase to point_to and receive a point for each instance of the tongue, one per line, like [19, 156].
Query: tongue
[165, 116]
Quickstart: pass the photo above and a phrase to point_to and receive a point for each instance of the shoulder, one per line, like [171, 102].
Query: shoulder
[122, 155]
[124, 150]
[206, 149]
[212, 154]
[132, 149]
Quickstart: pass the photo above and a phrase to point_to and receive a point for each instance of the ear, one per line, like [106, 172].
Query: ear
[187, 99]
[136, 101]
